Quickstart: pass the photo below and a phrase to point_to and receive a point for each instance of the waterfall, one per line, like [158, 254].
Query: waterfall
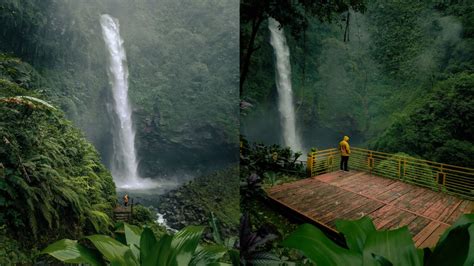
[124, 165]
[283, 82]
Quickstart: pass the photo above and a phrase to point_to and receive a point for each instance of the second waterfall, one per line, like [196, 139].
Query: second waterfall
[125, 164]
[283, 82]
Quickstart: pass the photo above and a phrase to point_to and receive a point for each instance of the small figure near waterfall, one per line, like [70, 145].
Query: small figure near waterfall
[345, 150]
[125, 200]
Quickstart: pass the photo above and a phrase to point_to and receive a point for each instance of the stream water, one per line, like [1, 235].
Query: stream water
[286, 106]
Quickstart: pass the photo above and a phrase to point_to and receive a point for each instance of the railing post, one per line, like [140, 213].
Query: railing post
[311, 163]
[404, 167]
[399, 168]
[330, 162]
[441, 174]
[370, 162]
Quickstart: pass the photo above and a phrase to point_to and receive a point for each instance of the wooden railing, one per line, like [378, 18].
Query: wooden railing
[441, 177]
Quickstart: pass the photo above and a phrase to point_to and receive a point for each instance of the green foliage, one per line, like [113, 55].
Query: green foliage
[259, 158]
[12, 251]
[70, 251]
[143, 215]
[53, 181]
[367, 246]
[140, 248]
[413, 171]
[440, 127]
[192, 203]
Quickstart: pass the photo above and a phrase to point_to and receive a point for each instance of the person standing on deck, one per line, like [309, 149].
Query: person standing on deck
[345, 150]
[125, 200]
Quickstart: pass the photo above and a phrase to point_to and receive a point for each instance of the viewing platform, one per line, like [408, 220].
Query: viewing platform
[393, 190]
[123, 213]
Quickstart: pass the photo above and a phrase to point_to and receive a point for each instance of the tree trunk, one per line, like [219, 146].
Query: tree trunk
[250, 49]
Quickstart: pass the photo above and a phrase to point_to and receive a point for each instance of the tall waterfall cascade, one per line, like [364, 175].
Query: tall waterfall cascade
[125, 164]
[283, 83]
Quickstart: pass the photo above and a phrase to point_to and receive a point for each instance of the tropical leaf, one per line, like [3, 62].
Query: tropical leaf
[356, 232]
[234, 256]
[113, 251]
[69, 251]
[100, 220]
[163, 255]
[396, 246]
[132, 236]
[265, 258]
[148, 243]
[184, 244]
[207, 255]
[458, 242]
[463, 220]
[216, 235]
[318, 248]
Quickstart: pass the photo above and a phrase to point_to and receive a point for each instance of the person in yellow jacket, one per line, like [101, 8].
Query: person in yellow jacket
[345, 150]
[125, 200]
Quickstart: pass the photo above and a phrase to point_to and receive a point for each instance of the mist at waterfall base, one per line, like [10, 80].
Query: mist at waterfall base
[124, 166]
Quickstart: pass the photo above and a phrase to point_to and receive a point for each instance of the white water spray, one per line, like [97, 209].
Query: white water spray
[283, 83]
[125, 165]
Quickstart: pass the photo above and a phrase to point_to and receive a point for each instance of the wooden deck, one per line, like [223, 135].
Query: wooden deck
[391, 203]
[122, 213]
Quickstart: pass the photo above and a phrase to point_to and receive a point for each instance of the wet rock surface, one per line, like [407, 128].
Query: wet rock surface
[192, 203]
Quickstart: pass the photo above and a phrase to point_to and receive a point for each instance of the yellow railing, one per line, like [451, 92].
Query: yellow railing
[446, 178]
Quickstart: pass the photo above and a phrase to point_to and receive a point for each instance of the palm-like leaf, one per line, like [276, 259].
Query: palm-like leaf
[356, 232]
[184, 245]
[113, 251]
[395, 246]
[70, 251]
[207, 255]
[321, 250]
[180, 249]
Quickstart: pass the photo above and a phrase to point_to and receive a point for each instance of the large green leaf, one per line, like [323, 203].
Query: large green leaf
[113, 251]
[132, 236]
[207, 255]
[234, 256]
[463, 220]
[265, 259]
[456, 248]
[162, 252]
[69, 251]
[216, 235]
[184, 244]
[317, 247]
[147, 244]
[355, 232]
[396, 246]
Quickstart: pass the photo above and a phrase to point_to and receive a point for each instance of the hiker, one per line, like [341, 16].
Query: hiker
[345, 150]
[125, 200]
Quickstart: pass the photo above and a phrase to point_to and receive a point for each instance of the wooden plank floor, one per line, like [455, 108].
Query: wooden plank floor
[390, 203]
